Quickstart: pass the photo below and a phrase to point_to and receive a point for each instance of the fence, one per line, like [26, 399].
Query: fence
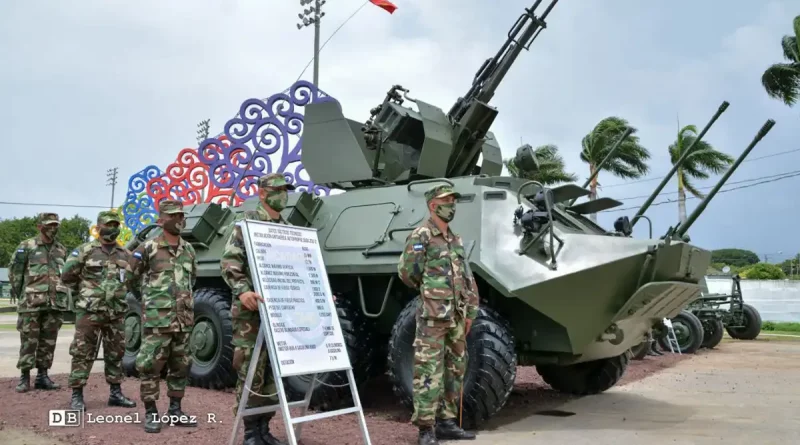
[776, 300]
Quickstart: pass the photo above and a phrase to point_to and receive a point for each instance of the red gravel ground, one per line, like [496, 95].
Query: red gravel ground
[388, 422]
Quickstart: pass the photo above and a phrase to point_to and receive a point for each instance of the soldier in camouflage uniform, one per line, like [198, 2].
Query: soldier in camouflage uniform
[433, 263]
[273, 194]
[95, 271]
[161, 273]
[35, 277]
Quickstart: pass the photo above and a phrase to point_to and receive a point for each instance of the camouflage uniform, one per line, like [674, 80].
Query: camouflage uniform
[246, 323]
[96, 275]
[34, 275]
[434, 264]
[162, 277]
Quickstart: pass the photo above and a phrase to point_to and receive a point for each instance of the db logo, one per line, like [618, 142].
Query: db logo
[65, 417]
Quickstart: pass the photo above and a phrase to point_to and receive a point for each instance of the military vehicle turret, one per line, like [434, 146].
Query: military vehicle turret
[557, 290]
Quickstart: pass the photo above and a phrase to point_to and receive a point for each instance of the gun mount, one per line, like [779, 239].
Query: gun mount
[398, 144]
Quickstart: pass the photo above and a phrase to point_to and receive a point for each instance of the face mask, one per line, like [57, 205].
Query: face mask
[277, 199]
[174, 227]
[50, 231]
[446, 211]
[109, 234]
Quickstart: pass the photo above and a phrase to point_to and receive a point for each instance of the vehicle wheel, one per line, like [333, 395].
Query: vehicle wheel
[689, 332]
[639, 352]
[752, 325]
[712, 333]
[491, 363]
[359, 340]
[586, 378]
[133, 335]
[210, 340]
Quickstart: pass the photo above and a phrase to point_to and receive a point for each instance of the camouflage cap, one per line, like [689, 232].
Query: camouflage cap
[48, 218]
[440, 191]
[170, 206]
[274, 180]
[107, 216]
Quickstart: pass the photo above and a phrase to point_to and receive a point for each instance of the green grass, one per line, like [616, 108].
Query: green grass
[13, 326]
[781, 327]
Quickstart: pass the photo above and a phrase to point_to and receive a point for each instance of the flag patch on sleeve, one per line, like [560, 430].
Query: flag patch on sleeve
[137, 255]
[417, 247]
[75, 252]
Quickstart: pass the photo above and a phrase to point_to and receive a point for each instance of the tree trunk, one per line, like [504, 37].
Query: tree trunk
[681, 199]
[592, 191]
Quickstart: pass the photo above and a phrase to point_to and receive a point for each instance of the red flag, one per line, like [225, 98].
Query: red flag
[384, 4]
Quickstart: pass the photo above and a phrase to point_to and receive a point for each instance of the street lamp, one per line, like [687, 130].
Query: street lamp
[311, 16]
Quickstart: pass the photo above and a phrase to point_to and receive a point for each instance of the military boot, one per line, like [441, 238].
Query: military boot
[263, 430]
[252, 434]
[44, 382]
[152, 421]
[24, 382]
[654, 349]
[178, 417]
[77, 399]
[116, 398]
[448, 430]
[426, 436]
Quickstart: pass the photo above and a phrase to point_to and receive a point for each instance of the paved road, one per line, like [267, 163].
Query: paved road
[742, 393]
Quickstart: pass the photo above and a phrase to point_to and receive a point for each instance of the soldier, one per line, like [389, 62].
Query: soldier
[34, 275]
[433, 263]
[161, 273]
[273, 194]
[95, 271]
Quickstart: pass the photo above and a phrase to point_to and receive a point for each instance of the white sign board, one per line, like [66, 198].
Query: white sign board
[719, 285]
[292, 280]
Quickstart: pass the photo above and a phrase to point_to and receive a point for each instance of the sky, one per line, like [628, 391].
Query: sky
[90, 85]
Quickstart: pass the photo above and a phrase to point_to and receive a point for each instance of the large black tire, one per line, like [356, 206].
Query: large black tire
[752, 325]
[359, 339]
[133, 335]
[639, 352]
[210, 341]
[689, 331]
[491, 363]
[586, 378]
[712, 333]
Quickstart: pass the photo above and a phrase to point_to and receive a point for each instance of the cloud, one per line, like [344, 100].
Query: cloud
[124, 84]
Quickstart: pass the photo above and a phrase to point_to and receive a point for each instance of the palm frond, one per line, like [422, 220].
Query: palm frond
[688, 184]
[790, 49]
[551, 167]
[782, 81]
[628, 161]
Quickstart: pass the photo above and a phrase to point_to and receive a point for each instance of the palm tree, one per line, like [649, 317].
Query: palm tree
[551, 167]
[627, 162]
[703, 159]
[782, 80]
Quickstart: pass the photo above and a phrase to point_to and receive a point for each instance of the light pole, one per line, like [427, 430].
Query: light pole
[311, 16]
[111, 175]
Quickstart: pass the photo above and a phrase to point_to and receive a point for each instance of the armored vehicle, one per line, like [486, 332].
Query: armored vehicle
[557, 291]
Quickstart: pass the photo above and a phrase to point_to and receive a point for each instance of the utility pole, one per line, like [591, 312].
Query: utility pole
[311, 16]
[111, 175]
[202, 130]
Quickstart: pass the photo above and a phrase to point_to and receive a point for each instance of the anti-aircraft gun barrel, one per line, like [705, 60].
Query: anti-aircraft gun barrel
[683, 228]
[628, 131]
[677, 164]
[471, 115]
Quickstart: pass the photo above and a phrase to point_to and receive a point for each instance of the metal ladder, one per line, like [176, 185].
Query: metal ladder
[671, 337]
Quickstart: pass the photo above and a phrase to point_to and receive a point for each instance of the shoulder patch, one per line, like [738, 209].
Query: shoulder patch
[75, 252]
[21, 250]
[418, 247]
[137, 254]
